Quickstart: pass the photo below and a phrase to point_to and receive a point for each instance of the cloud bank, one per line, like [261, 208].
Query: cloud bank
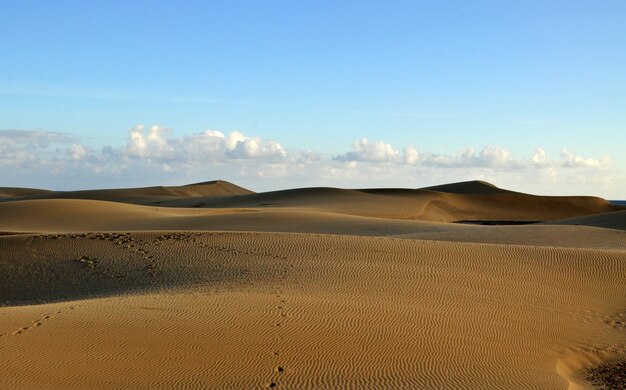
[154, 155]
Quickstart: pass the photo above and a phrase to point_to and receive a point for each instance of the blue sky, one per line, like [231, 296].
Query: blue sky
[440, 77]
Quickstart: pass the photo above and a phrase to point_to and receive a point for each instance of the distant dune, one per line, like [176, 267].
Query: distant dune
[455, 202]
[478, 202]
[211, 285]
[144, 195]
[14, 192]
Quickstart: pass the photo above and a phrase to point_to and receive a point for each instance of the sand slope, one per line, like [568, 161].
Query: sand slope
[245, 310]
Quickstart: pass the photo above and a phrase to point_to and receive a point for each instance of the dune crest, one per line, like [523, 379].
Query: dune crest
[469, 187]
[140, 196]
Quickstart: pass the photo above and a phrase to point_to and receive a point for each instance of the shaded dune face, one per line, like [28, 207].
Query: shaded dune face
[213, 286]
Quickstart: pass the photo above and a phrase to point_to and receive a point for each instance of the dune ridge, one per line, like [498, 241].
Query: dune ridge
[141, 196]
[469, 187]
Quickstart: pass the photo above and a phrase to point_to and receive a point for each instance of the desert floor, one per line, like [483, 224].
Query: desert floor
[214, 286]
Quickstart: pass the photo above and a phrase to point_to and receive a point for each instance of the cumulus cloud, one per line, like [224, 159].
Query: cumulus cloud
[494, 156]
[571, 160]
[151, 144]
[155, 155]
[463, 158]
[539, 157]
[364, 150]
[411, 156]
[31, 148]
[489, 156]
[239, 146]
[210, 145]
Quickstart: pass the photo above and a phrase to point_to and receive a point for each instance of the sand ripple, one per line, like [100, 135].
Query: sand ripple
[253, 310]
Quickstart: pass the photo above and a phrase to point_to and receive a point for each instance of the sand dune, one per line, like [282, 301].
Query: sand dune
[13, 192]
[469, 187]
[419, 204]
[422, 205]
[62, 215]
[323, 288]
[69, 216]
[248, 310]
[145, 195]
[467, 201]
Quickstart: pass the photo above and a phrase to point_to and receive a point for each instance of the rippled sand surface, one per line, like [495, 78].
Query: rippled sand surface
[378, 303]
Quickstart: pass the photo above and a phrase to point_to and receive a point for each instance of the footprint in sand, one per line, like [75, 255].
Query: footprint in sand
[20, 331]
[39, 321]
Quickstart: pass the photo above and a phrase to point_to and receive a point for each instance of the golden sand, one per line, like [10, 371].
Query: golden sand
[213, 286]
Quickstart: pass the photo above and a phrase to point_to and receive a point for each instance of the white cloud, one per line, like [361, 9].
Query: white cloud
[494, 156]
[28, 149]
[411, 156]
[364, 150]
[155, 155]
[78, 151]
[463, 158]
[136, 141]
[251, 148]
[573, 161]
[539, 157]
[234, 139]
[210, 145]
[489, 156]
[153, 144]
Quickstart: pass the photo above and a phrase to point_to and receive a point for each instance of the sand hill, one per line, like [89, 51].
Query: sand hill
[213, 286]
[145, 195]
[6, 193]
